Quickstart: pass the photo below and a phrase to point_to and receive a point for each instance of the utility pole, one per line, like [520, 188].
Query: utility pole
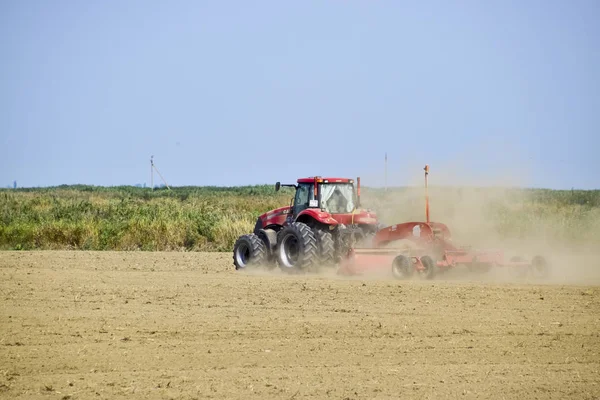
[152, 172]
[152, 168]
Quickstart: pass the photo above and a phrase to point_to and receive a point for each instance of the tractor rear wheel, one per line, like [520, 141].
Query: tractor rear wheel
[297, 248]
[325, 246]
[249, 250]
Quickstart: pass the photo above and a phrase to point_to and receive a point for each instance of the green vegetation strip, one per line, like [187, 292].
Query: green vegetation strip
[211, 218]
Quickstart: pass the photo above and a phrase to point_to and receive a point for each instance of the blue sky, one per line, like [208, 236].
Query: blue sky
[236, 92]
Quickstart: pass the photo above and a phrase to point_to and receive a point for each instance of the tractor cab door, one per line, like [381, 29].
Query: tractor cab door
[304, 194]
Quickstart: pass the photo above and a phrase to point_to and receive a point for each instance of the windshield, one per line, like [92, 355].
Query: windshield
[337, 198]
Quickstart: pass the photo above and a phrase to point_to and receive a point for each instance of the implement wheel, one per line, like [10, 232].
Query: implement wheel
[430, 265]
[539, 267]
[402, 267]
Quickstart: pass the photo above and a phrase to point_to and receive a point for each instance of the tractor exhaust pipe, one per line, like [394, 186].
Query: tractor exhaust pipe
[426, 193]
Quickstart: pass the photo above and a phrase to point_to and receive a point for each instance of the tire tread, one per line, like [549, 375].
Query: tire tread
[258, 250]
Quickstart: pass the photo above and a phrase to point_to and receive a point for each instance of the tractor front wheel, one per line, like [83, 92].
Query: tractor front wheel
[297, 248]
[249, 250]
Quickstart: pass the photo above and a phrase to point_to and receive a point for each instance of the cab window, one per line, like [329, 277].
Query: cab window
[304, 193]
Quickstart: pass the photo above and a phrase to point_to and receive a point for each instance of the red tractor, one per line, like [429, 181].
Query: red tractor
[321, 225]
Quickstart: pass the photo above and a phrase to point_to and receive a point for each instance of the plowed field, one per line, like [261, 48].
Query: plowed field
[112, 325]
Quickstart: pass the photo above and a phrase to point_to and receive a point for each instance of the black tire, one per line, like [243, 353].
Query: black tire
[325, 246]
[430, 266]
[402, 268]
[297, 248]
[269, 238]
[539, 267]
[249, 250]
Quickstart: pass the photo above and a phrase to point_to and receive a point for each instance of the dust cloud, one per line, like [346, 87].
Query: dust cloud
[502, 215]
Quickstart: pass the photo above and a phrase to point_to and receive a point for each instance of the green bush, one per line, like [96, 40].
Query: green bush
[131, 218]
[211, 218]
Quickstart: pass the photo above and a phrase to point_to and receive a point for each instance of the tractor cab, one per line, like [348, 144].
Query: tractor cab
[330, 195]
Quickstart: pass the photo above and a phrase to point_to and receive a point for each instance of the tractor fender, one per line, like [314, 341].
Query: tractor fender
[272, 218]
[317, 215]
[258, 226]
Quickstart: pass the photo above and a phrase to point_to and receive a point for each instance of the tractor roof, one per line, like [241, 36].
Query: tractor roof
[325, 180]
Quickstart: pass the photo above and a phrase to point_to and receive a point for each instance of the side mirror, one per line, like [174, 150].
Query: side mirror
[277, 186]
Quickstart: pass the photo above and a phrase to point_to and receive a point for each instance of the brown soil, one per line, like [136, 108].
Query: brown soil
[81, 325]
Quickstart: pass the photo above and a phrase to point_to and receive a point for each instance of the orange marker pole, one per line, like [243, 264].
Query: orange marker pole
[426, 193]
[358, 192]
